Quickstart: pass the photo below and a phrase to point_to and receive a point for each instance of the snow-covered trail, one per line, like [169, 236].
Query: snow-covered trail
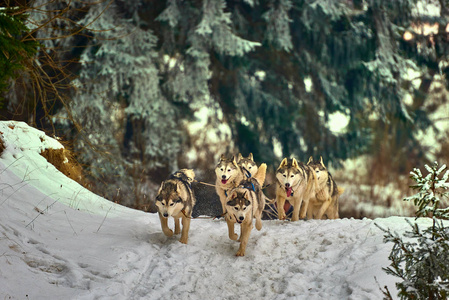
[303, 260]
[73, 254]
[60, 241]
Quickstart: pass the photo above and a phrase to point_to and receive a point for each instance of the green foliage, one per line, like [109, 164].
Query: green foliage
[421, 262]
[432, 190]
[420, 257]
[268, 72]
[14, 51]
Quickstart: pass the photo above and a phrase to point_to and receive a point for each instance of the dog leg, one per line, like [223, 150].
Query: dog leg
[222, 197]
[258, 221]
[296, 207]
[177, 227]
[185, 230]
[280, 202]
[295, 214]
[258, 224]
[246, 230]
[304, 207]
[231, 232]
[241, 232]
[164, 224]
[332, 211]
[310, 211]
[323, 208]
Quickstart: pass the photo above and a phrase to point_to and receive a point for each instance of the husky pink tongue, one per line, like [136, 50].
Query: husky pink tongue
[288, 191]
[224, 181]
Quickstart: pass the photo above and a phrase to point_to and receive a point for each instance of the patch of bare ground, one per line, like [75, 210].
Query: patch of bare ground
[65, 162]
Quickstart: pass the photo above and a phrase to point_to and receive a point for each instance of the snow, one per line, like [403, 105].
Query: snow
[338, 122]
[60, 241]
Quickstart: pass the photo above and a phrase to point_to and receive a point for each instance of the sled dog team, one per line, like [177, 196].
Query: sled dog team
[309, 188]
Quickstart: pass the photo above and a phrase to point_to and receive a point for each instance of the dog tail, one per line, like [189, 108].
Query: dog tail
[189, 173]
[340, 190]
[261, 173]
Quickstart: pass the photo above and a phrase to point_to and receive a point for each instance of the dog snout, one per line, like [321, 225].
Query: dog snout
[223, 177]
[287, 185]
[241, 218]
[165, 215]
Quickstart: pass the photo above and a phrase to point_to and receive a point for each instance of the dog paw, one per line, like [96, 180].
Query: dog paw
[258, 224]
[295, 219]
[168, 232]
[240, 253]
[183, 240]
[234, 236]
[177, 231]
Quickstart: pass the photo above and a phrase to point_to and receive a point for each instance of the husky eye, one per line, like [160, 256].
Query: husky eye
[249, 168]
[229, 170]
[221, 169]
[285, 175]
[171, 204]
[292, 176]
[236, 208]
[244, 208]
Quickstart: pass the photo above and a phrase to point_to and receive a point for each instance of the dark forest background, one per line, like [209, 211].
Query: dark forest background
[138, 89]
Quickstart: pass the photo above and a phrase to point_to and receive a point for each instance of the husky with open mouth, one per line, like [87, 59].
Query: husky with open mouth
[296, 184]
[229, 176]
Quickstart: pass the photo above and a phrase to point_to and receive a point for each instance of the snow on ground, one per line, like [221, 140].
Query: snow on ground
[60, 241]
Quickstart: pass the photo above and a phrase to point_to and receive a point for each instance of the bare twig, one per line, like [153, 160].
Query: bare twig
[41, 212]
[70, 223]
[104, 218]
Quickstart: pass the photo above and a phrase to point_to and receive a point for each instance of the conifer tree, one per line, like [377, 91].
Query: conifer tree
[270, 72]
[420, 257]
[14, 52]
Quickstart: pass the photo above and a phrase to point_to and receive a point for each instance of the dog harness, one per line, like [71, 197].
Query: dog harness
[187, 183]
[248, 185]
[183, 178]
[246, 172]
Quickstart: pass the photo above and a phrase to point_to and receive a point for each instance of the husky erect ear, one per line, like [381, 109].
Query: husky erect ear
[250, 156]
[233, 160]
[310, 160]
[223, 157]
[160, 188]
[190, 174]
[294, 163]
[158, 197]
[239, 157]
[283, 163]
[321, 162]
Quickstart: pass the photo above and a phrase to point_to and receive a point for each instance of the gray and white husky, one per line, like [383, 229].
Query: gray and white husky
[229, 176]
[247, 165]
[245, 203]
[325, 201]
[296, 184]
[175, 198]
